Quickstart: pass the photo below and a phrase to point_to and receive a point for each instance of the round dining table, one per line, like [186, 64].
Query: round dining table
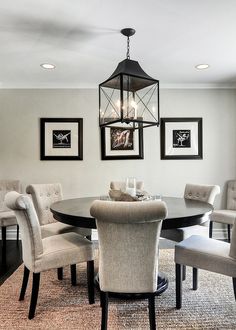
[181, 213]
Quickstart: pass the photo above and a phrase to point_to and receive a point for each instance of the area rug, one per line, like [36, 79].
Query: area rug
[61, 306]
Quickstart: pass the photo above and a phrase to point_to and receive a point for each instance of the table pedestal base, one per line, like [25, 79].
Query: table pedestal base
[162, 285]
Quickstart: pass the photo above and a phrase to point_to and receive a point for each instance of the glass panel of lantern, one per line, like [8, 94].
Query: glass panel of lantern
[129, 99]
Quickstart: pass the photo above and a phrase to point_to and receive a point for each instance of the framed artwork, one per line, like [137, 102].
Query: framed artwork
[61, 138]
[181, 138]
[121, 143]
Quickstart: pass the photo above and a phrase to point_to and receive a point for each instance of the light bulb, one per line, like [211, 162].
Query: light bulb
[133, 104]
[118, 103]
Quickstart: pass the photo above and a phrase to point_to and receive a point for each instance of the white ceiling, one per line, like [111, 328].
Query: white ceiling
[82, 39]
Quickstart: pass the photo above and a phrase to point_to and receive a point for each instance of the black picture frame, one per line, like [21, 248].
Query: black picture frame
[134, 150]
[61, 139]
[181, 138]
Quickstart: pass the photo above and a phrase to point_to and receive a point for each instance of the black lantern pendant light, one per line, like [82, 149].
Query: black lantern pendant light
[129, 97]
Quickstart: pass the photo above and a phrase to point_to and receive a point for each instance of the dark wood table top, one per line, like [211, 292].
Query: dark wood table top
[181, 212]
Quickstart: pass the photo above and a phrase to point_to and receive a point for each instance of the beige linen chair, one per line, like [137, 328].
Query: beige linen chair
[128, 236]
[7, 217]
[205, 253]
[43, 196]
[48, 253]
[228, 215]
[203, 193]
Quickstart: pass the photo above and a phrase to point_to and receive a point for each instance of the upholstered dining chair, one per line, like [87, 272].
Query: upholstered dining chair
[205, 253]
[51, 252]
[128, 236]
[203, 193]
[120, 185]
[43, 196]
[7, 217]
[228, 215]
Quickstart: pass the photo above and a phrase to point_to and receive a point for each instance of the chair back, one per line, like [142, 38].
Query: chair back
[43, 196]
[27, 220]
[231, 195]
[201, 192]
[5, 187]
[128, 235]
[121, 185]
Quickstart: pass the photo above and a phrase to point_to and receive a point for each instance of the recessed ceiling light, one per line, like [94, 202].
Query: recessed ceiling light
[202, 66]
[48, 66]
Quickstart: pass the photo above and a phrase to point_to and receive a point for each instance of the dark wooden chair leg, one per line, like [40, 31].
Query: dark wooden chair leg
[195, 278]
[60, 273]
[90, 279]
[210, 229]
[73, 274]
[34, 295]
[229, 234]
[234, 286]
[184, 273]
[17, 233]
[24, 283]
[152, 315]
[100, 294]
[104, 303]
[4, 238]
[178, 284]
[4, 245]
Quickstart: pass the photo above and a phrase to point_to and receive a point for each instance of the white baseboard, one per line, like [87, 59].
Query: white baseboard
[218, 233]
[94, 235]
[11, 233]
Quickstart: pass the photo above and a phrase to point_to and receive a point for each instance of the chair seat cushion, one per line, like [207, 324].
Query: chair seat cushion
[224, 216]
[62, 250]
[179, 234]
[7, 218]
[206, 253]
[56, 228]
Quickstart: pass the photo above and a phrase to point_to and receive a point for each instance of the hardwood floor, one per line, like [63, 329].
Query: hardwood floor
[10, 260]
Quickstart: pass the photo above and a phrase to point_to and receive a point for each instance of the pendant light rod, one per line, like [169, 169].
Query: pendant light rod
[128, 32]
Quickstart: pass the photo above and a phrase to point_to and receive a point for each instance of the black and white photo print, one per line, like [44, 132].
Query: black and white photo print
[181, 138]
[61, 139]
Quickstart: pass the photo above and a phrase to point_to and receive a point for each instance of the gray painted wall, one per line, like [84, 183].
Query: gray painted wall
[20, 111]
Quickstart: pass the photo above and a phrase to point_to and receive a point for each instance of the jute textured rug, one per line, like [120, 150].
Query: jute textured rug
[61, 306]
